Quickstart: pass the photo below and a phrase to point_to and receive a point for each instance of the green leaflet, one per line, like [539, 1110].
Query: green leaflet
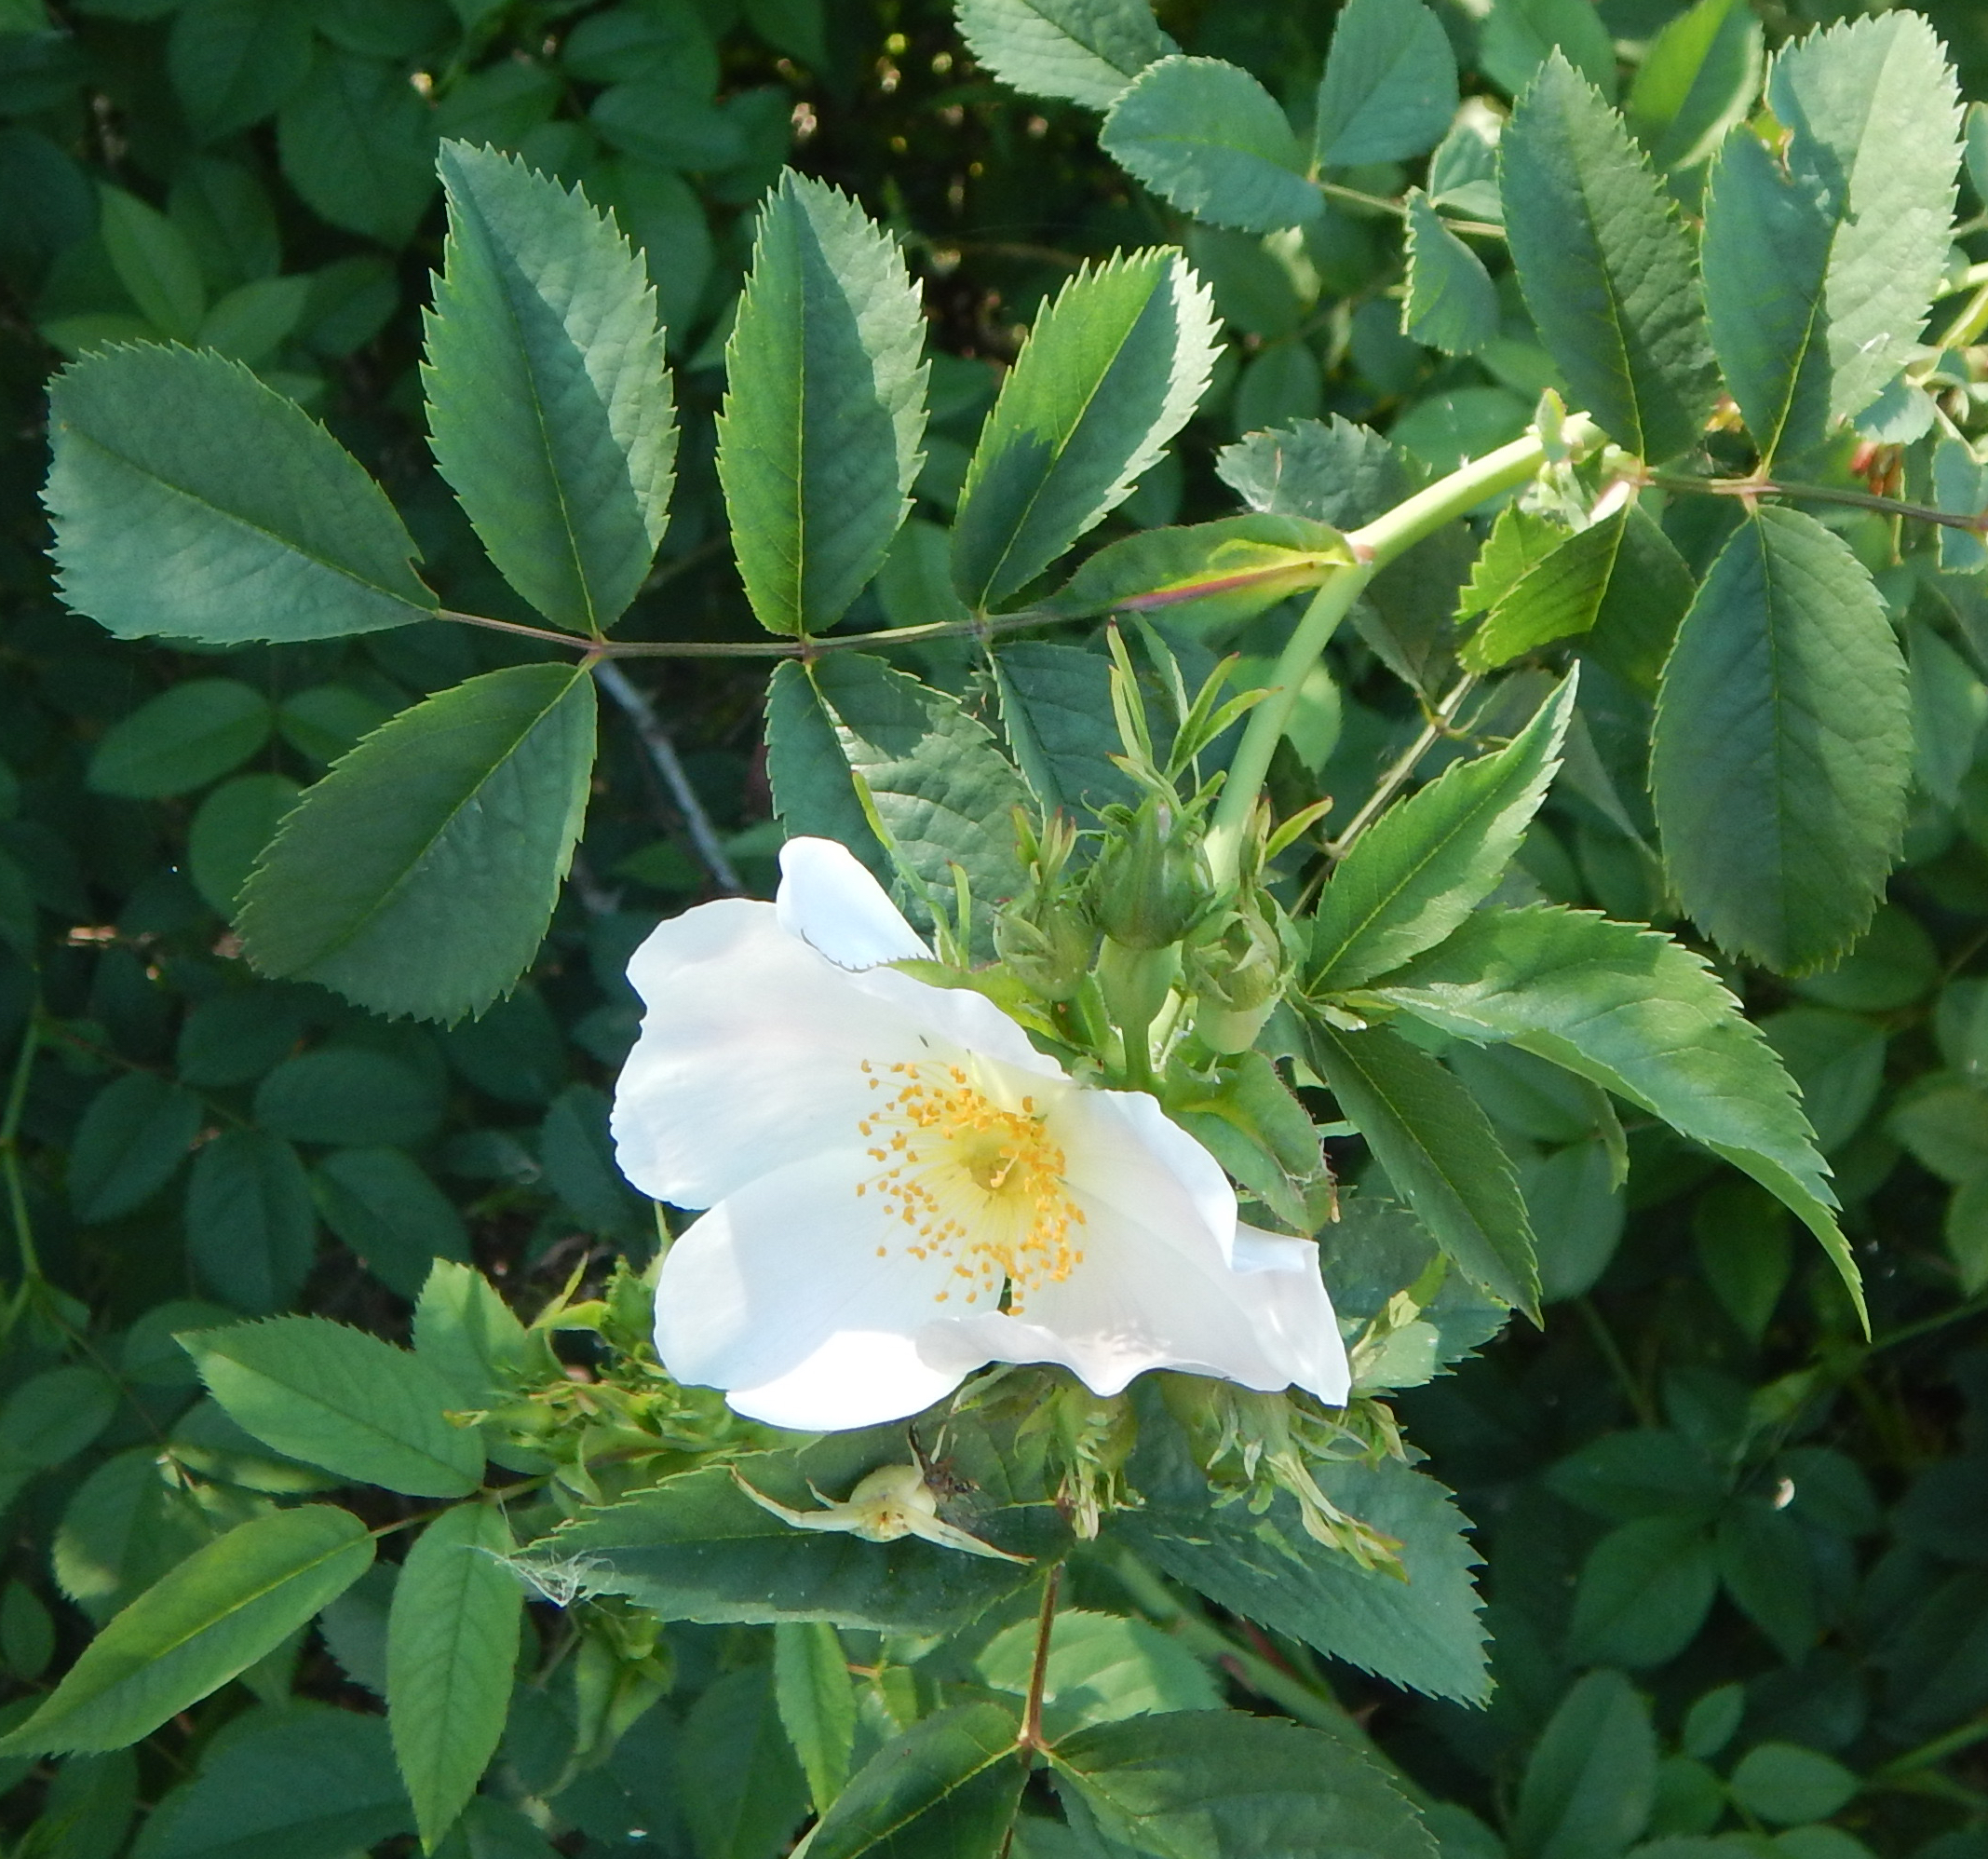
[1559, 595]
[1645, 1018]
[1389, 87]
[419, 874]
[1782, 745]
[1819, 275]
[740, 1787]
[1222, 572]
[1110, 372]
[1223, 1785]
[824, 410]
[1086, 50]
[131, 1143]
[297, 1779]
[452, 1641]
[358, 142]
[341, 1399]
[913, 768]
[549, 402]
[1438, 1150]
[1056, 708]
[1605, 265]
[1645, 1591]
[251, 1232]
[1421, 868]
[816, 1698]
[1518, 36]
[183, 738]
[1100, 1667]
[154, 263]
[232, 61]
[1452, 303]
[947, 1788]
[387, 1209]
[1697, 80]
[1648, 595]
[1592, 1778]
[211, 1618]
[1423, 1634]
[1208, 139]
[1330, 470]
[192, 502]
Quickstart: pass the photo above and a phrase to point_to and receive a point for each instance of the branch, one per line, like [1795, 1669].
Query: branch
[662, 752]
[1818, 493]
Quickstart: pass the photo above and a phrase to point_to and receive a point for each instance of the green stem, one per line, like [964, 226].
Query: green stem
[1937, 1750]
[17, 1098]
[1405, 765]
[1373, 549]
[1030, 1737]
[1816, 493]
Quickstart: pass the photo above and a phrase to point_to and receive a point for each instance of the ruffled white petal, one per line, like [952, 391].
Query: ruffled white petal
[1126, 1152]
[828, 899]
[1278, 1277]
[778, 1295]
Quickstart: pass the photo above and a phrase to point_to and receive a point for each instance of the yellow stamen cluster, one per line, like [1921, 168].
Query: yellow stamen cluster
[976, 1183]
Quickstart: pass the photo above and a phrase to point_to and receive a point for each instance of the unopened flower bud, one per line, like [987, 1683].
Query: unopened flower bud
[1150, 885]
[1050, 942]
[1237, 977]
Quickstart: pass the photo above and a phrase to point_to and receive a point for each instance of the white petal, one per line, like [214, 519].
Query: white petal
[1123, 1149]
[1280, 1276]
[959, 1017]
[779, 1297]
[749, 1055]
[828, 899]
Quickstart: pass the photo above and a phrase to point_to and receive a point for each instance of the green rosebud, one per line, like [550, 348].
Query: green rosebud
[1150, 885]
[1048, 942]
[1237, 976]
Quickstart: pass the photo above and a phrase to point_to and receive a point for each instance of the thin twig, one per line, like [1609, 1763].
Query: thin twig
[1976, 525]
[662, 752]
[1030, 1738]
[17, 1097]
[1404, 767]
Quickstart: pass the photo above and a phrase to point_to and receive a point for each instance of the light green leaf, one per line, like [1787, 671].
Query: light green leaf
[947, 1788]
[1208, 139]
[931, 779]
[1438, 1150]
[301, 1781]
[153, 261]
[1086, 50]
[824, 408]
[1642, 1016]
[1110, 372]
[1329, 471]
[1821, 258]
[1518, 36]
[212, 1617]
[548, 400]
[1389, 87]
[339, 1398]
[358, 142]
[1591, 1781]
[1605, 265]
[183, 738]
[252, 321]
[452, 1641]
[131, 1141]
[418, 876]
[1220, 1785]
[1101, 1668]
[1698, 78]
[816, 1697]
[1426, 862]
[1782, 746]
[468, 1335]
[193, 502]
[1559, 595]
[1452, 303]
[251, 1232]
[1204, 575]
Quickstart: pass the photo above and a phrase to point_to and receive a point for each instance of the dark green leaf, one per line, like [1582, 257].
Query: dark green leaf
[1649, 593]
[1784, 1782]
[341, 1398]
[1782, 745]
[1605, 265]
[347, 1096]
[741, 1789]
[251, 1232]
[1111, 371]
[1440, 1152]
[1642, 1016]
[1389, 87]
[180, 483]
[1208, 139]
[1056, 708]
[947, 1788]
[1086, 50]
[1765, 1565]
[213, 1616]
[382, 1205]
[418, 876]
[1593, 1777]
[358, 142]
[1213, 1784]
[235, 822]
[1821, 258]
[1650, 1473]
[1645, 1591]
[233, 62]
[131, 1141]
[816, 1696]
[809, 773]
[549, 402]
[1428, 861]
[451, 1640]
[154, 263]
[1519, 37]
[818, 442]
[1451, 303]
[183, 738]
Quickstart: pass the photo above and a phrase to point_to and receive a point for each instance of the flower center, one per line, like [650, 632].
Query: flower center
[975, 1182]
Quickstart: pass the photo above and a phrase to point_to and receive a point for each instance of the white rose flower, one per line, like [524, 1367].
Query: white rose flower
[902, 1190]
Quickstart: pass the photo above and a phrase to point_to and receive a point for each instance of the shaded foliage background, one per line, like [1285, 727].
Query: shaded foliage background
[1697, 1473]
